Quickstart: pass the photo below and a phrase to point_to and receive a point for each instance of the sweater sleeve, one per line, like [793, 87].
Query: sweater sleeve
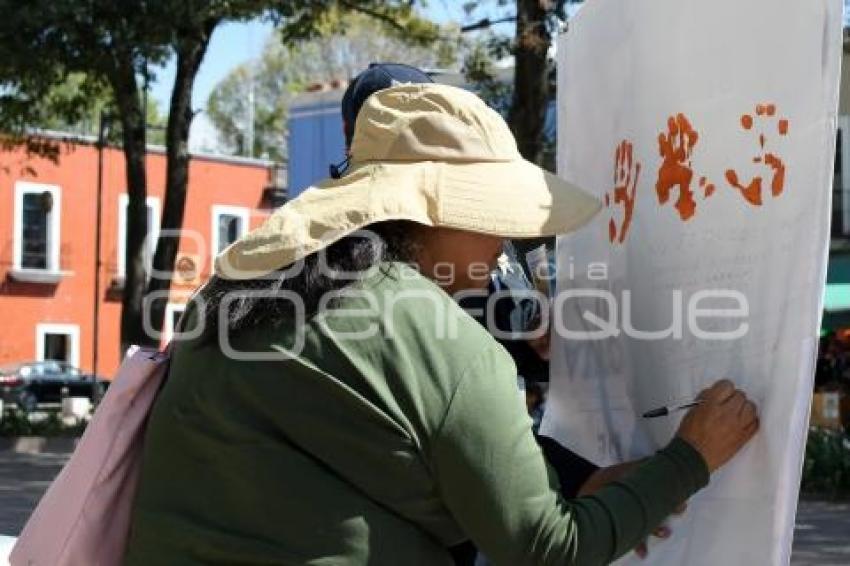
[494, 480]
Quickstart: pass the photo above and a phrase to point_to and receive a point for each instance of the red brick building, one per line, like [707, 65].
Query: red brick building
[48, 221]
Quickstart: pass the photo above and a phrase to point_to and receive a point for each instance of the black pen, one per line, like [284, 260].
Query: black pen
[666, 410]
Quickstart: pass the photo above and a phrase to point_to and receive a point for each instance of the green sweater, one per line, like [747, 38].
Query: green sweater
[397, 431]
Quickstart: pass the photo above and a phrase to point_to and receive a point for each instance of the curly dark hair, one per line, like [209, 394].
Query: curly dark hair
[396, 241]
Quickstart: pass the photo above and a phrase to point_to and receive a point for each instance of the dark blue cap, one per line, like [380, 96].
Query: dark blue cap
[377, 77]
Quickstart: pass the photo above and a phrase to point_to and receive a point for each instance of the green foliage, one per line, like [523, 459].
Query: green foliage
[350, 43]
[320, 18]
[118, 43]
[489, 46]
[75, 106]
[826, 470]
[60, 59]
[62, 62]
[556, 10]
[479, 69]
[84, 51]
[16, 424]
[155, 120]
[228, 109]
[535, 24]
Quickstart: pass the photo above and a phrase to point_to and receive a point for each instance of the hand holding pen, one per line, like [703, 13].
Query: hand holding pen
[721, 421]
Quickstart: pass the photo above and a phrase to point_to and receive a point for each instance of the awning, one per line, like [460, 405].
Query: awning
[836, 306]
[837, 297]
[836, 303]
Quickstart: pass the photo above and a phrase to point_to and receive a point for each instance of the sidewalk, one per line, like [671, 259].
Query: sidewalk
[23, 480]
[822, 536]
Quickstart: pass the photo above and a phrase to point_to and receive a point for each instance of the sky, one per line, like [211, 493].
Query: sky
[231, 45]
[235, 43]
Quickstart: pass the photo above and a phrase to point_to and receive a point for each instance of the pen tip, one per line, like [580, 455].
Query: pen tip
[655, 413]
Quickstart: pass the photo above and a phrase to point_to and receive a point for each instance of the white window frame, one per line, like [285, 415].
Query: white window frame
[153, 235]
[54, 234]
[844, 128]
[72, 330]
[242, 212]
[168, 328]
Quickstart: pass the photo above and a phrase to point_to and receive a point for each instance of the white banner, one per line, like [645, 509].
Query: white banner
[708, 129]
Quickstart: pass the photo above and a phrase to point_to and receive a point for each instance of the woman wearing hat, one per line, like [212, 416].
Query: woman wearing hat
[330, 404]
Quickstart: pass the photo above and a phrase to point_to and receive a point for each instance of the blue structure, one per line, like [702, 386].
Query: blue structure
[315, 138]
[315, 131]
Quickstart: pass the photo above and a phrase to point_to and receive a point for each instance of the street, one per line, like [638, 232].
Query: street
[822, 536]
[23, 479]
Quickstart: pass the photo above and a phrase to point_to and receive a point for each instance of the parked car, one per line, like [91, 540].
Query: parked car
[32, 384]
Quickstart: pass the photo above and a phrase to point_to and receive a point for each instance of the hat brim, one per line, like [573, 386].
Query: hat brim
[511, 199]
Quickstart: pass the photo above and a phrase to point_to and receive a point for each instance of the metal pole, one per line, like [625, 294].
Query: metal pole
[101, 142]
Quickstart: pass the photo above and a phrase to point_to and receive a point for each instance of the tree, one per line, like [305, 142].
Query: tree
[108, 48]
[525, 100]
[190, 24]
[347, 45]
[480, 59]
[534, 30]
[75, 107]
[115, 45]
[536, 22]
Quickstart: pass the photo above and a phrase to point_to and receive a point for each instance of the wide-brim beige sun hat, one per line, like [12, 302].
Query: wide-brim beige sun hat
[429, 153]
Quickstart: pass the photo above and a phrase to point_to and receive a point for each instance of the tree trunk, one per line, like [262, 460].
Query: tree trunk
[527, 115]
[531, 88]
[134, 137]
[190, 53]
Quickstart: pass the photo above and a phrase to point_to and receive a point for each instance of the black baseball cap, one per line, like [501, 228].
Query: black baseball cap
[377, 77]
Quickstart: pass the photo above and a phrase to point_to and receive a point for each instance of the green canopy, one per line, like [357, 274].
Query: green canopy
[837, 297]
[836, 303]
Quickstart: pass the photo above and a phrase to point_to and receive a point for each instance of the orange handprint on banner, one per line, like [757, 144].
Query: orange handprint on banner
[752, 192]
[676, 147]
[626, 175]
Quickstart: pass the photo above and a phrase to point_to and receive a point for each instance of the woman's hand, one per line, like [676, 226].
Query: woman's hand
[717, 428]
[721, 424]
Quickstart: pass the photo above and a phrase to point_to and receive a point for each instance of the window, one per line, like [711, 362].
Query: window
[58, 342]
[229, 223]
[37, 237]
[57, 346]
[68, 369]
[152, 205]
[42, 370]
[34, 241]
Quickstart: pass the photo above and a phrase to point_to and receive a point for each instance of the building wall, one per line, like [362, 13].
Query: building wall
[71, 301]
[315, 138]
